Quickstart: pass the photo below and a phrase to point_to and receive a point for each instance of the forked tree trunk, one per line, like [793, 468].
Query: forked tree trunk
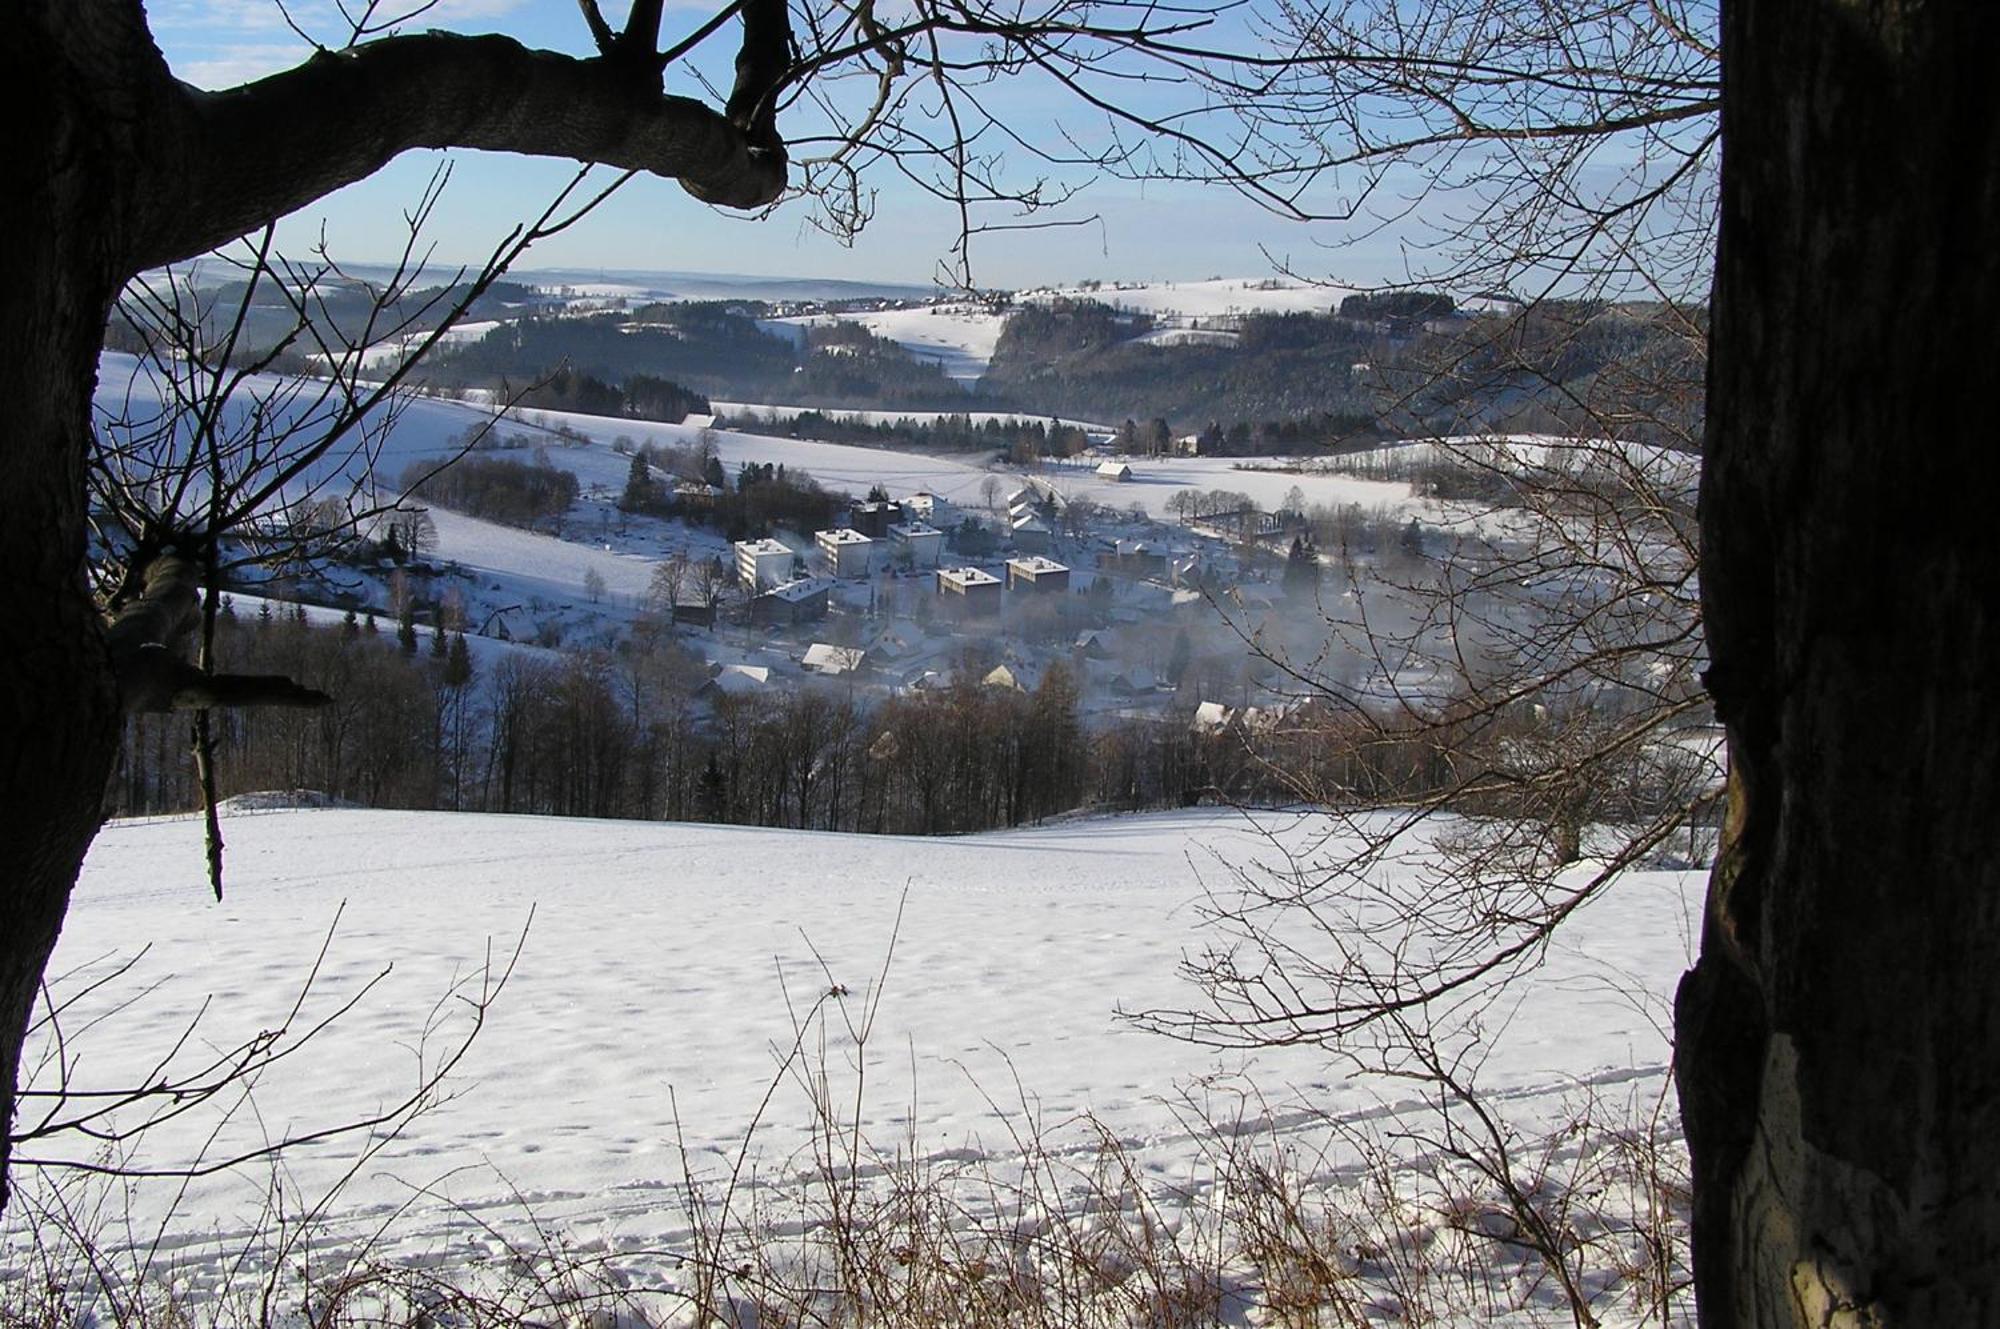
[1839, 1040]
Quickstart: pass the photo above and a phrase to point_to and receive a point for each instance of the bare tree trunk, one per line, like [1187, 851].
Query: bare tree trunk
[58, 704]
[1839, 1040]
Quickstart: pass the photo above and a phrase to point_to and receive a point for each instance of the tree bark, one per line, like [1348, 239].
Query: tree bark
[58, 703]
[1839, 1038]
[113, 167]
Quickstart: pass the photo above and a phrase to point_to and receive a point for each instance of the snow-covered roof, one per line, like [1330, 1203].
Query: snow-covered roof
[845, 535]
[825, 659]
[898, 639]
[762, 548]
[967, 577]
[803, 588]
[1210, 715]
[740, 680]
[1030, 522]
[914, 530]
[1036, 566]
[1021, 678]
[1114, 470]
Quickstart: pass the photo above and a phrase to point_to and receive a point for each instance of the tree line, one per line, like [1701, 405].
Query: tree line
[636, 733]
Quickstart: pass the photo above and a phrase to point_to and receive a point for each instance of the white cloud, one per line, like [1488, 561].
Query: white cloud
[229, 65]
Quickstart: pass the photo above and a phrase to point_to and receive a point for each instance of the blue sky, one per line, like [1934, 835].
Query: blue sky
[1149, 231]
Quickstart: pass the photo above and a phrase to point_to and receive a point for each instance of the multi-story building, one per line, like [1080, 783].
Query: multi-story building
[761, 564]
[848, 552]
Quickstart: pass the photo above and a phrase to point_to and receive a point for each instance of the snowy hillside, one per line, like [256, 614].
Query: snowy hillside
[1215, 298]
[959, 337]
[662, 974]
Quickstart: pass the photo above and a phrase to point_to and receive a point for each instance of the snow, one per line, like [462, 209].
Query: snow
[1155, 480]
[1215, 298]
[741, 409]
[662, 970]
[535, 565]
[958, 337]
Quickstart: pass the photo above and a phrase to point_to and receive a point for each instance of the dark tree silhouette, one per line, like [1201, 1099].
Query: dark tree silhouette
[1837, 1046]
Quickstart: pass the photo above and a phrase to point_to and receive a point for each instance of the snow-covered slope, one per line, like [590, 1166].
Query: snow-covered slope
[664, 969]
[1215, 298]
[959, 337]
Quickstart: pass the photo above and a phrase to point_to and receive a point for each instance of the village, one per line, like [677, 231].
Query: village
[915, 592]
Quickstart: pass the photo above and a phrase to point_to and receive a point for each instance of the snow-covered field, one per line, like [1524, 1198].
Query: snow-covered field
[1218, 297]
[662, 977]
[959, 337]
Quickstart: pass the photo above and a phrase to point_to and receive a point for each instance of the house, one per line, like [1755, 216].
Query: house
[923, 543]
[928, 507]
[848, 553]
[926, 680]
[1210, 717]
[1026, 496]
[695, 612]
[696, 493]
[763, 563]
[968, 592]
[899, 641]
[1036, 573]
[1114, 470]
[1090, 646]
[1017, 677]
[820, 658]
[874, 518]
[735, 680]
[1031, 534]
[1133, 558]
[800, 601]
[1135, 681]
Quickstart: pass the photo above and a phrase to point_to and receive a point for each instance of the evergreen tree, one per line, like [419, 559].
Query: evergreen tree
[1301, 569]
[641, 492]
[711, 791]
[458, 663]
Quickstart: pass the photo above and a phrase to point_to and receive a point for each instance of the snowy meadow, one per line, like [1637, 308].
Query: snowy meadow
[731, 1073]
